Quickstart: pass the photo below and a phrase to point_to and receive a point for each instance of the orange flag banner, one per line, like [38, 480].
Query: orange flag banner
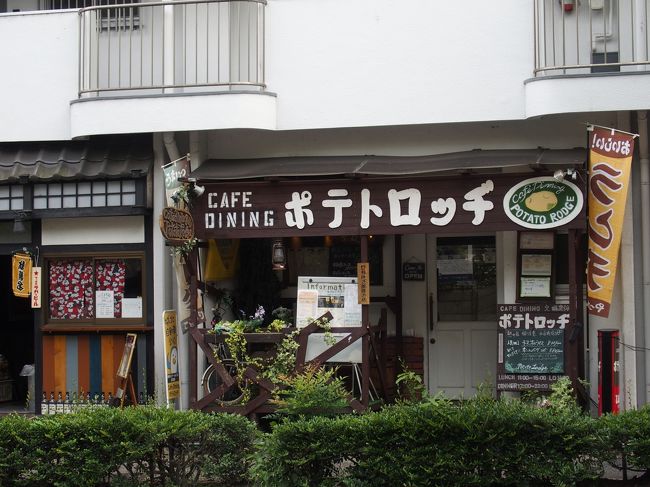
[610, 161]
[21, 274]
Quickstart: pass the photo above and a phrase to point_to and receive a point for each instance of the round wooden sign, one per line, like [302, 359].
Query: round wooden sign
[176, 225]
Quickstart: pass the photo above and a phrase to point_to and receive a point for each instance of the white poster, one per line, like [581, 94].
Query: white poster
[104, 304]
[339, 296]
[306, 307]
[132, 307]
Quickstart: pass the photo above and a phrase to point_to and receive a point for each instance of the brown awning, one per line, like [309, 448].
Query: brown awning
[284, 167]
[97, 157]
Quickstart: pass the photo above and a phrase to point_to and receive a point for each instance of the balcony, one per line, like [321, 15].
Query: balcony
[172, 58]
[590, 55]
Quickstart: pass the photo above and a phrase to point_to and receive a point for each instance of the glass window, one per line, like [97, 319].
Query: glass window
[466, 269]
[95, 290]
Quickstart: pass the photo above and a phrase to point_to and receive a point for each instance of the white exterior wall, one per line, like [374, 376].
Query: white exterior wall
[94, 230]
[39, 75]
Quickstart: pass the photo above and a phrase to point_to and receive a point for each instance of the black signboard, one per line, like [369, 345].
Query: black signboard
[413, 271]
[531, 343]
[534, 351]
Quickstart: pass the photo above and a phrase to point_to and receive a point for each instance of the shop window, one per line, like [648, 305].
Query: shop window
[466, 268]
[95, 290]
[334, 257]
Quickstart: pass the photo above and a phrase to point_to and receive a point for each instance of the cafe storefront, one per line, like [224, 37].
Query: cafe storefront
[448, 241]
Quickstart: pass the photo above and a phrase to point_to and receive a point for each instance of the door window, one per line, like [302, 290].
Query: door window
[466, 269]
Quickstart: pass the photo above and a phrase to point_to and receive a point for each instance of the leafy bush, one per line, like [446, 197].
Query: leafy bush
[315, 389]
[127, 447]
[627, 438]
[481, 442]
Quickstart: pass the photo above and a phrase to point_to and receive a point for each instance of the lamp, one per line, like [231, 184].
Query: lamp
[560, 174]
[278, 255]
[19, 221]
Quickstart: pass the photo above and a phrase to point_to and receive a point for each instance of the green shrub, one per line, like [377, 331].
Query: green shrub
[130, 446]
[627, 436]
[479, 442]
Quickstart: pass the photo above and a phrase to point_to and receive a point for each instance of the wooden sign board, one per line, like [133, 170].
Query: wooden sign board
[363, 281]
[176, 225]
[127, 356]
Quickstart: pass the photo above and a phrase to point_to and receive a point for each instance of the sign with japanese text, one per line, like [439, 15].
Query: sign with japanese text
[171, 354]
[363, 281]
[171, 172]
[610, 158]
[530, 345]
[21, 274]
[36, 287]
[176, 225]
[360, 207]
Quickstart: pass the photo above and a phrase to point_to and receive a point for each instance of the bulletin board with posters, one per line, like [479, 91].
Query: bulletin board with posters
[338, 295]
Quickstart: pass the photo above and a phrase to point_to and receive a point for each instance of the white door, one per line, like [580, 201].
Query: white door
[462, 337]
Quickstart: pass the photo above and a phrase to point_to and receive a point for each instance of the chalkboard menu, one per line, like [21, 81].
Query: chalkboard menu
[531, 343]
[344, 258]
[534, 351]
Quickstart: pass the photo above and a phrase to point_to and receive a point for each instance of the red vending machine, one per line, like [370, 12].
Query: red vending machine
[609, 398]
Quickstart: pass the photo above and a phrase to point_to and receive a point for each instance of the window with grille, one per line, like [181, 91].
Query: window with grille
[11, 197]
[85, 194]
[125, 18]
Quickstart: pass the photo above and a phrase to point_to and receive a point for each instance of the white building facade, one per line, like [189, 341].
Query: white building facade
[473, 90]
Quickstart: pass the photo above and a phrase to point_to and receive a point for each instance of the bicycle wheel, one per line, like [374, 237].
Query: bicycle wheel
[211, 381]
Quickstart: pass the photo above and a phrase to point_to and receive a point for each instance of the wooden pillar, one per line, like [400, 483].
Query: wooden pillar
[398, 295]
[365, 323]
[572, 332]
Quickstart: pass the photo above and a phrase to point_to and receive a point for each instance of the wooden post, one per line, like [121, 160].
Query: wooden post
[192, 344]
[365, 355]
[572, 343]
[398, 295]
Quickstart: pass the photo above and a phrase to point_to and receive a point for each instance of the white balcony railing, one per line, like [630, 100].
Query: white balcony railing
[591, 36]
[168, 47]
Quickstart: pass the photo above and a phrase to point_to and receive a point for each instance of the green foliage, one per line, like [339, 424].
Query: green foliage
[562, 394]
[133, 446]
[436, 442]
[627, 435]
[410, 384]
[314, 390]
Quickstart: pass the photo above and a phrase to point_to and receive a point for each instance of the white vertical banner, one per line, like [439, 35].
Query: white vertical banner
[36, 287]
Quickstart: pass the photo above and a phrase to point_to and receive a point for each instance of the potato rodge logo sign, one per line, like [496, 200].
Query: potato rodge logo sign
[543, 202]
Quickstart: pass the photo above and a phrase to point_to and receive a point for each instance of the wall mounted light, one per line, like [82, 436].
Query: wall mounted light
[19, 221]
[278, 255]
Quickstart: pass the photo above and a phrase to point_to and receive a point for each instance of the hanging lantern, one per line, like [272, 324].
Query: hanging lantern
[278, 255]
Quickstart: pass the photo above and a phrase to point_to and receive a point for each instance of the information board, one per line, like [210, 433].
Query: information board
[338, 296]
[531, 343]
[534, 351]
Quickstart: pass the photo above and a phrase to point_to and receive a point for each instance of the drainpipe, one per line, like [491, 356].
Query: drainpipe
[170, 145]
[644, 164]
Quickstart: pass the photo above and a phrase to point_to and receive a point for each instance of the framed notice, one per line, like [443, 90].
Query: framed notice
[535, 287]
[536, 240]
[536, 264]
[127, 356]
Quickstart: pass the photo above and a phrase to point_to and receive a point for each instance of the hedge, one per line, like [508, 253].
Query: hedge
[479, 442]
[134, 446]
[436, 442]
